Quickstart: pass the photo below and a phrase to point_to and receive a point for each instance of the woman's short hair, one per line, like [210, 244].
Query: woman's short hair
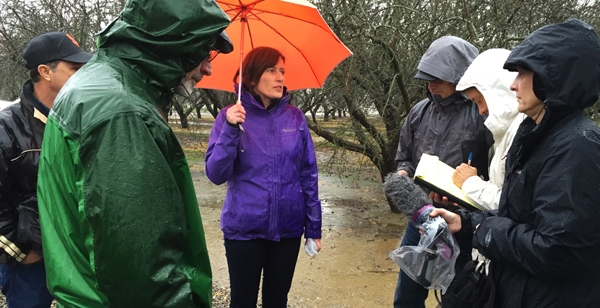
[256, 63]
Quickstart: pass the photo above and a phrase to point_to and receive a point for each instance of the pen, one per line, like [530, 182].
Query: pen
[470, 158]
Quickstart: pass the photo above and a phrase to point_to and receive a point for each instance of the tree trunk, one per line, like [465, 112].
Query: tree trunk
[198, 113]
[182, 116]
[313, 114]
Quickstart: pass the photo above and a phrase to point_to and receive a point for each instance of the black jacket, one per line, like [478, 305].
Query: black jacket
[21, 131]
[544, 242]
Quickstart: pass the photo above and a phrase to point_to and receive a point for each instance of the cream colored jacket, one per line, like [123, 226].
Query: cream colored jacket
[487, 75]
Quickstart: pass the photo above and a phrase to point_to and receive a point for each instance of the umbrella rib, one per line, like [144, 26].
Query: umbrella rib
[250, 34]
[328, 30]
[291, 44]
[236, 16]
[246, 5]
[283, 15]
[231, 7]
[238, 8]
[244, 12]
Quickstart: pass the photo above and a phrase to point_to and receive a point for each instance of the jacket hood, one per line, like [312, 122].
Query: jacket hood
[165, 39]
[487, 75]
[566, 56]
[447, 58]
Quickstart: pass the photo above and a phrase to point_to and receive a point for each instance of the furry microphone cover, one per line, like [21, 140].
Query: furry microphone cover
[405, 196]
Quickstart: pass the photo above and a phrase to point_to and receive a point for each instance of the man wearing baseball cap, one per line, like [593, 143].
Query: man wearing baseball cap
[117, 200]
[51, 59]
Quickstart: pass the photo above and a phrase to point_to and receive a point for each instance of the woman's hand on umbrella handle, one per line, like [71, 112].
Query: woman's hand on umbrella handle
[236, 114]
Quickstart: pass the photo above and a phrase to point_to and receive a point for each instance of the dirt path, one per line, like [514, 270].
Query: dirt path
[352, 270]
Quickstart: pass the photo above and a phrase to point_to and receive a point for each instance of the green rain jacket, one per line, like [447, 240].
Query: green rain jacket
[120, 221]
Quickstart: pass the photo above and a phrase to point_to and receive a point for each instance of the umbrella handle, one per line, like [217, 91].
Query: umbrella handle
[243, 21]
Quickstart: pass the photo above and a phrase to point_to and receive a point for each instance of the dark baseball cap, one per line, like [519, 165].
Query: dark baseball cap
[223, 43]
[53, 46]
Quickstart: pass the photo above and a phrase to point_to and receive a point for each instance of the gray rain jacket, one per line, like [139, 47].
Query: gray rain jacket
[544, 242]
[450, 128]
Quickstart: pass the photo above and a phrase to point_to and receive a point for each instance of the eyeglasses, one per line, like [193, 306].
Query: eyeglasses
[212, 55]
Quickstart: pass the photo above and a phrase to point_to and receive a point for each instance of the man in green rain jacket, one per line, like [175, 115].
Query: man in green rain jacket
[120, 220]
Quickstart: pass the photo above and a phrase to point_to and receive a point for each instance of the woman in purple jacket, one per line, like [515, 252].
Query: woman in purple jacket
[272, 182]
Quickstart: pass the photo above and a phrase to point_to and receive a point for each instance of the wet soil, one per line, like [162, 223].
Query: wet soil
[359, 230]
[352, 270]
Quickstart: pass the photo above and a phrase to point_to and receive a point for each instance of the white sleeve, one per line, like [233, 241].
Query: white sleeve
[484, 193]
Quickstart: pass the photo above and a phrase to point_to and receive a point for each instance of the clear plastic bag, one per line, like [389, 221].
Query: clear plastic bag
[431, 263]
[311, 248]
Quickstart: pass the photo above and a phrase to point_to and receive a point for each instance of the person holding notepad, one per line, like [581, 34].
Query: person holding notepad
[445, 124]
[544, 240]
[487, 84]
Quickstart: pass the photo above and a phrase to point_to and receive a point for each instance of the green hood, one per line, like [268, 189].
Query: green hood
[164, 39]
[120, 220]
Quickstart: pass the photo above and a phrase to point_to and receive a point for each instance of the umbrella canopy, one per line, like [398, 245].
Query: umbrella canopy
[294, 27]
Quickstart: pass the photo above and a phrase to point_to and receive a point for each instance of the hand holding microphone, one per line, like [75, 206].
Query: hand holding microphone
[431, 263]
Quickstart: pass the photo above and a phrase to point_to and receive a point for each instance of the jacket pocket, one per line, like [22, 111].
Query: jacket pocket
[28, 228]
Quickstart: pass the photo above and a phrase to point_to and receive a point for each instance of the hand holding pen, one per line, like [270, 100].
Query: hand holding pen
[463, 172]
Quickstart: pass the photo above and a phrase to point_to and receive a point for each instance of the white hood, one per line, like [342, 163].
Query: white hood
[487, 75]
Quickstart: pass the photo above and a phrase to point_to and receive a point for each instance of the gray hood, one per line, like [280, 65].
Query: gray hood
[448, 58]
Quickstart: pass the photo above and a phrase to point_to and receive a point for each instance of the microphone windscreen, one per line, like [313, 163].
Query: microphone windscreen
[403, 194]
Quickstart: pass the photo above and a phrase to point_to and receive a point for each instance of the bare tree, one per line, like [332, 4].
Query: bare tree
[20, 21]
[374, 86]
[388, 38]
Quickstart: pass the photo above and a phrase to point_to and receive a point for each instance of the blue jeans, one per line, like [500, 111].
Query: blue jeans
[410, 294]
[24, 285]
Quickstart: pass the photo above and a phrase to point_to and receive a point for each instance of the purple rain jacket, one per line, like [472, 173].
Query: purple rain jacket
[270, 170]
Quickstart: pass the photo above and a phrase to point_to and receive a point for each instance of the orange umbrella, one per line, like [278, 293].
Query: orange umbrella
[294, 27]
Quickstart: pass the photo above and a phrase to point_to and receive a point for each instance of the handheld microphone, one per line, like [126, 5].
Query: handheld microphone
[405, 196]
[436, 240]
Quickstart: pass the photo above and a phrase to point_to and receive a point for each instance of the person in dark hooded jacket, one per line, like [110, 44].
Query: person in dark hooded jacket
[544, 240]
[445, 124]
[119, 215]
[51, 58]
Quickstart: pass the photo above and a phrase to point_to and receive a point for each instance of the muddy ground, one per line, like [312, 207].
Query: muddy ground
[352, 270]
[359, 231]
